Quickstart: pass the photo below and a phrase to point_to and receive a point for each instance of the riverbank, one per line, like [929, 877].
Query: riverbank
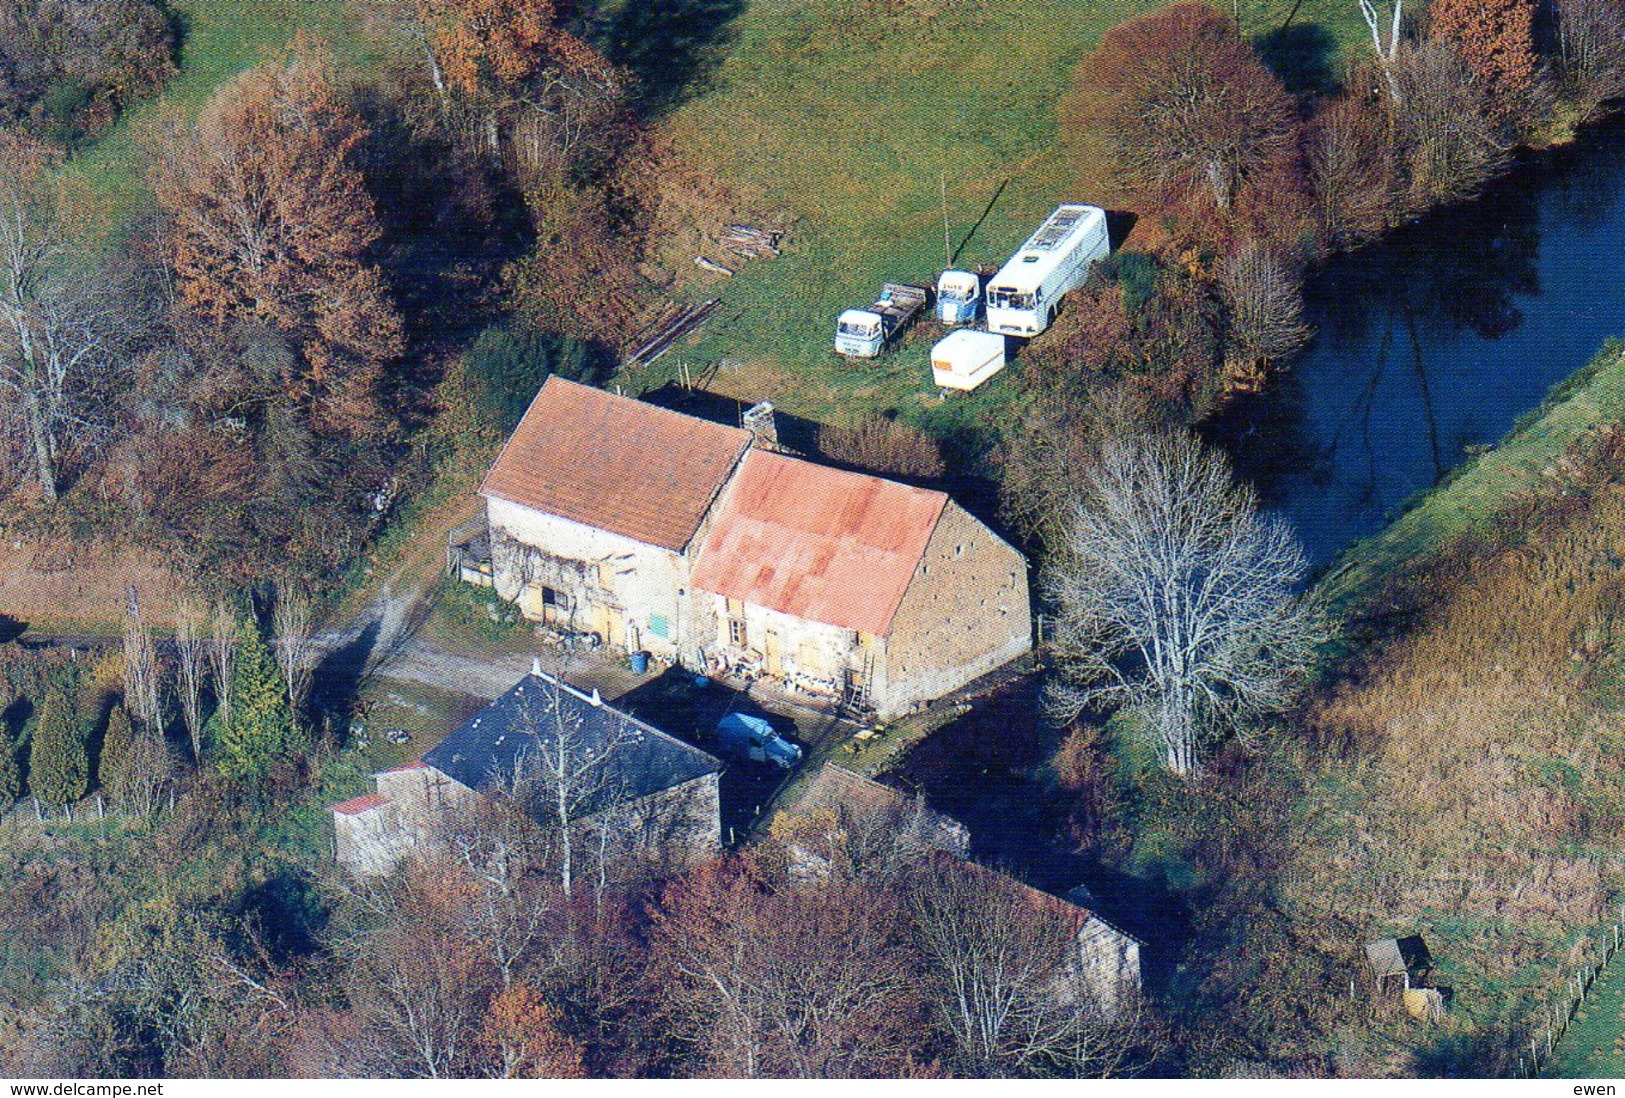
[1526, 464]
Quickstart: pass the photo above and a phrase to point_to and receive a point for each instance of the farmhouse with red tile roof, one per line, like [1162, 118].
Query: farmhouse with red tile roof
[665, 533]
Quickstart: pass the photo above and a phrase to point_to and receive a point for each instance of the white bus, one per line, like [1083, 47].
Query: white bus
[1022, 297]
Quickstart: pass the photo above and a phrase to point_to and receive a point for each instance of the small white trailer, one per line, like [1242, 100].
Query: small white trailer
[966, 358]
[1022, 297]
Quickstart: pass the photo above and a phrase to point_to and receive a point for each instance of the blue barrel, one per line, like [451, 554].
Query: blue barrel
[640, 663]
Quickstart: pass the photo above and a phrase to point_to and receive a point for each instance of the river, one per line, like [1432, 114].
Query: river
[1432, 342]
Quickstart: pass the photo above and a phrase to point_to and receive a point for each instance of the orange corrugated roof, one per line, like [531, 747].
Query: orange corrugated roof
[615, 463]
[817, 543]
[357, 805]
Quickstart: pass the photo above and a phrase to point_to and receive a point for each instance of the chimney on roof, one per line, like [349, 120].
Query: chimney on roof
[595, 699]
[536, 666]
[758, 420]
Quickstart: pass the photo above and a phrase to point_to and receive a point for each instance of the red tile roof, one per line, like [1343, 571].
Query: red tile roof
[614, 463]
[817, 543]
[357, 805]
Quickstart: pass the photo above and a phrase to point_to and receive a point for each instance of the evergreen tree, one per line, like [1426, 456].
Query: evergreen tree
[11, 777]
[261, 729]
[58, 758]
[116, 744]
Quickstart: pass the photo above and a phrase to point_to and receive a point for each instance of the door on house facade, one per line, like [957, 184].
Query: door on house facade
[610, 624]
[773, 654]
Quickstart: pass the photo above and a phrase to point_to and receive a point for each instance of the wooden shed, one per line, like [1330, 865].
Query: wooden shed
[1404, 959]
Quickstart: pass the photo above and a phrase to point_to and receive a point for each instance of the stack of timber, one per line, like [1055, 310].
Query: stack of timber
[749, 242]
[658, 337]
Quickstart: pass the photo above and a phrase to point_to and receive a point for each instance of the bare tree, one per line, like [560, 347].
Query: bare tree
[565, 773]
[68, 318]
[497, 848]
[293, 643]
[1451, 146]
[222, 651]
[191, 668]
[1385, 51]
[142, 674]
[813, 982]
[1352, 170]
[1591, 51]
[1174, 599]
[1265, 305]
[1004, 983]
[144, 774]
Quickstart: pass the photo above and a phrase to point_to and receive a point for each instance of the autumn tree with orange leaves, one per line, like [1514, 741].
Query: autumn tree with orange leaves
[1197, 126]
[523, 1038]
[509, 74]
[271, 222]
[1496, 38]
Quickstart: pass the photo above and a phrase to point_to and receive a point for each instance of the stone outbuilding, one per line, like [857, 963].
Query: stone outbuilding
[638, 802]
[852, 585]
[1102, 969]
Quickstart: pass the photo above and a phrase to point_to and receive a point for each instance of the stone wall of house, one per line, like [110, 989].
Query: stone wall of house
[629, 593]
[965, 613]
[1108, 969]
[369, 843]
[656, 836]
[807, 656]
[659, 835]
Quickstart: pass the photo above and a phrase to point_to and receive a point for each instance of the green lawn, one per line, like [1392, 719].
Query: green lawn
[850, 117]
[220, 38]
[1594, 1046]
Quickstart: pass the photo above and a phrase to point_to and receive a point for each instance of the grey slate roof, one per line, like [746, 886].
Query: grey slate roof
[623, 759]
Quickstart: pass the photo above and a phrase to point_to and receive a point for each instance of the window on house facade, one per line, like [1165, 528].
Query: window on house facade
[659, 626]
[736, 632]
[553, 598]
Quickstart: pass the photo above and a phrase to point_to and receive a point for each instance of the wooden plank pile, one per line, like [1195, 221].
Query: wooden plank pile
[748, 242]
[674, 323]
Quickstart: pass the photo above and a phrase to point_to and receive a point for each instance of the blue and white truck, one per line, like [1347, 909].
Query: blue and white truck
[1022, 297]
[864, 333]
[959, 297]
[747, 737]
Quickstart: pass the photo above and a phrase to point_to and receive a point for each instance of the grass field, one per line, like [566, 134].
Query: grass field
[220, 38]
[851, 118]
[1594, 1045]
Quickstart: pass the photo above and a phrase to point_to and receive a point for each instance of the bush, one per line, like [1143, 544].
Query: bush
[58, 759]
[67, 67]
[509, 362]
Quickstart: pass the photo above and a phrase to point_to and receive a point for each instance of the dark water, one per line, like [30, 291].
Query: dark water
[1435, 340]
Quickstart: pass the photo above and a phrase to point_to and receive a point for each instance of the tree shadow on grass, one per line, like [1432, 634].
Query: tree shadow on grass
[1459, 1056]
[337, 678]
[671, 47]
[1301, 57]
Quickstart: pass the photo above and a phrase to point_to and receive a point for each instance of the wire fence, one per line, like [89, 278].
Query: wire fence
[1552, 1022]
